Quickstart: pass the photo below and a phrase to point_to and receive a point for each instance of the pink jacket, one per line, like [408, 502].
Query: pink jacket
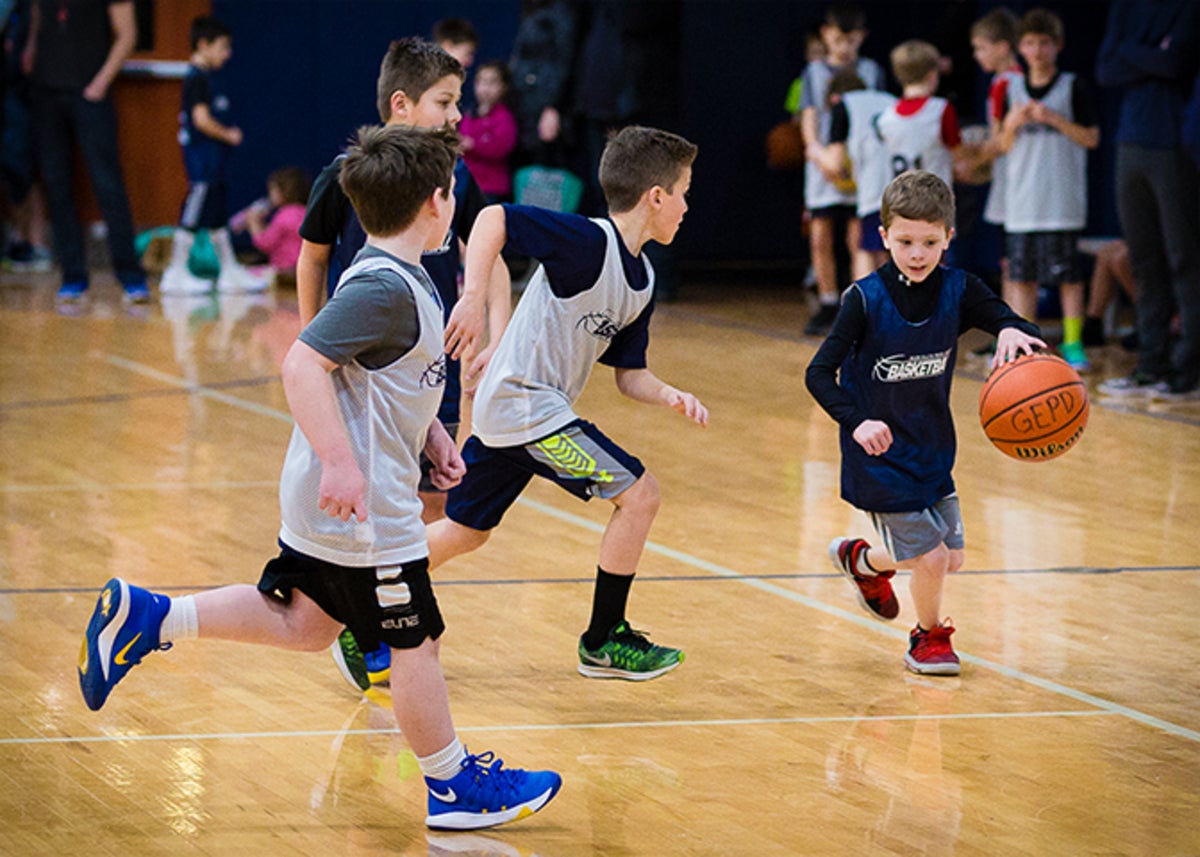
[281, 239]
[494, 137]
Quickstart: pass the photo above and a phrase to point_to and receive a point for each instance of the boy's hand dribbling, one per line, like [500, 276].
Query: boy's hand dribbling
[874, 436]
[688, 405]
[1011, 343]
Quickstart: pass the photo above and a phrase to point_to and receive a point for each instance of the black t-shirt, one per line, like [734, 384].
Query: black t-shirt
[72, 42]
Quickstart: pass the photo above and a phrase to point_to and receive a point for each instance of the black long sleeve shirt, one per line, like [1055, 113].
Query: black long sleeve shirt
[981, 308]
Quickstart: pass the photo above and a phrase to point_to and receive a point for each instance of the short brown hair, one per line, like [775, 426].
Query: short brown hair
[293, 184]
[391, 170]
[636, 159]
[846, 80]
[912, 61]
[456, 31]
[411, 65]
[917, 195]
[846, 17]
[1042, 22]
[998, 25]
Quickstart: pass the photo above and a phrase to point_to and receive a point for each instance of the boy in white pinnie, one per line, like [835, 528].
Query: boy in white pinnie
[363, 382]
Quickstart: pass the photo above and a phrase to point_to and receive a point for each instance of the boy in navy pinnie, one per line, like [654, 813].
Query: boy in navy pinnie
[884, 375]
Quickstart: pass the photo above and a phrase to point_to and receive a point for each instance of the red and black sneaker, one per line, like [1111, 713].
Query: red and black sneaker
[930, 652]
[873, 588]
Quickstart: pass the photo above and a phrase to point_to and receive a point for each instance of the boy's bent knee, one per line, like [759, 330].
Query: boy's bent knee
[643, 496]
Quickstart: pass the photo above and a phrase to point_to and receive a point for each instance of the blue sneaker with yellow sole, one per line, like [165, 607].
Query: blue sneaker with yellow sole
[124, 628]
[484, 793]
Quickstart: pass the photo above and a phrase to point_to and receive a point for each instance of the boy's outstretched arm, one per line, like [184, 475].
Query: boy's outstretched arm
[483, 254]
[642, 385]
[312, 269]
[313, 405]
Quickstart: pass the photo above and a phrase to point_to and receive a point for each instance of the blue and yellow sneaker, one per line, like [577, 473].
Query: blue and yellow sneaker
[478, 796]
[627, 654]
[123, 629]
[361, 671]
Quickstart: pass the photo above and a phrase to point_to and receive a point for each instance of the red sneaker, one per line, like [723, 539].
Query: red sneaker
[930, 652]
[873, 588]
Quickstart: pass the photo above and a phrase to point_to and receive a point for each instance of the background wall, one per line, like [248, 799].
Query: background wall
[303, 73]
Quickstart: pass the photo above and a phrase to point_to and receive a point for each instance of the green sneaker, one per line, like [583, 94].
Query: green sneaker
[1075, 356]
[350, 661]
[627, 654]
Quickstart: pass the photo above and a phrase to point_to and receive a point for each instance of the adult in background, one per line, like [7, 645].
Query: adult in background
[1150, 50]
[73, 54]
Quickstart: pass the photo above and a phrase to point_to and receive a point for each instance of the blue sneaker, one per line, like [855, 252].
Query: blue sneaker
[75, 290]
[478, 796]
[124, 629]
[361, 671]
[137, 293]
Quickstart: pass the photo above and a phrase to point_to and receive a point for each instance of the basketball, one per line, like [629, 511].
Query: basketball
[1034, 408]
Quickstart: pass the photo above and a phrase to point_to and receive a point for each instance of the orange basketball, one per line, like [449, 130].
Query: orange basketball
[1034, 408]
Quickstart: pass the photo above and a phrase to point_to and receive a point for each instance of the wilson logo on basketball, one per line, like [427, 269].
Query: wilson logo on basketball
[897, 367]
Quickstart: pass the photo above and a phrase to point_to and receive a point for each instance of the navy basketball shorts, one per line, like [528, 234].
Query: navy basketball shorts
[391, 604]
[426, 485]
[908, 535]
[1045, 258]
[578, 458]
[205, 206]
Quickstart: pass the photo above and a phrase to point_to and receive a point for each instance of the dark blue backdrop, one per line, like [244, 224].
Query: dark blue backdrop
[303, 78]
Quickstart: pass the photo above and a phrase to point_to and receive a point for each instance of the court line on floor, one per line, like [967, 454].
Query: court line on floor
[557, 727]
[876, 627]
[200, 390]
[762, 585]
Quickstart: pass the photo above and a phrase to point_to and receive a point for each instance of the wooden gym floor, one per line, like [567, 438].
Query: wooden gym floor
[146, 443]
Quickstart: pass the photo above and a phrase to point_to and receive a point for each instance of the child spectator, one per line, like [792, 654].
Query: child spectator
[457, 37]
[994, 40]
[589, 301]
[920, 131]
[830, 204]
[207, 139]
[380, 339]
[854, 140]
[274, 222]
[489, 134]
[1049, 124]
[1112, 275]
[884, 375]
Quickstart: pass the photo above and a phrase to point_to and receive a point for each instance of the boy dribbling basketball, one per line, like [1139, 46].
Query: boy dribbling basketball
[884, 375]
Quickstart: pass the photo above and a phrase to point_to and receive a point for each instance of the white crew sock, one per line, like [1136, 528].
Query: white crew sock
[181, 621]
[445, 763]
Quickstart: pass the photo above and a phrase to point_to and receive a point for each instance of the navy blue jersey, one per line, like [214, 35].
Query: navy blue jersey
[204, 157]
[899, 372]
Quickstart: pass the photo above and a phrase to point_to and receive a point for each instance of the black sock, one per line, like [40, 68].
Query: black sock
[608, 606]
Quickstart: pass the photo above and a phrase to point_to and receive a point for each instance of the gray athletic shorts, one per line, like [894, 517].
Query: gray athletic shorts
[908, 535]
